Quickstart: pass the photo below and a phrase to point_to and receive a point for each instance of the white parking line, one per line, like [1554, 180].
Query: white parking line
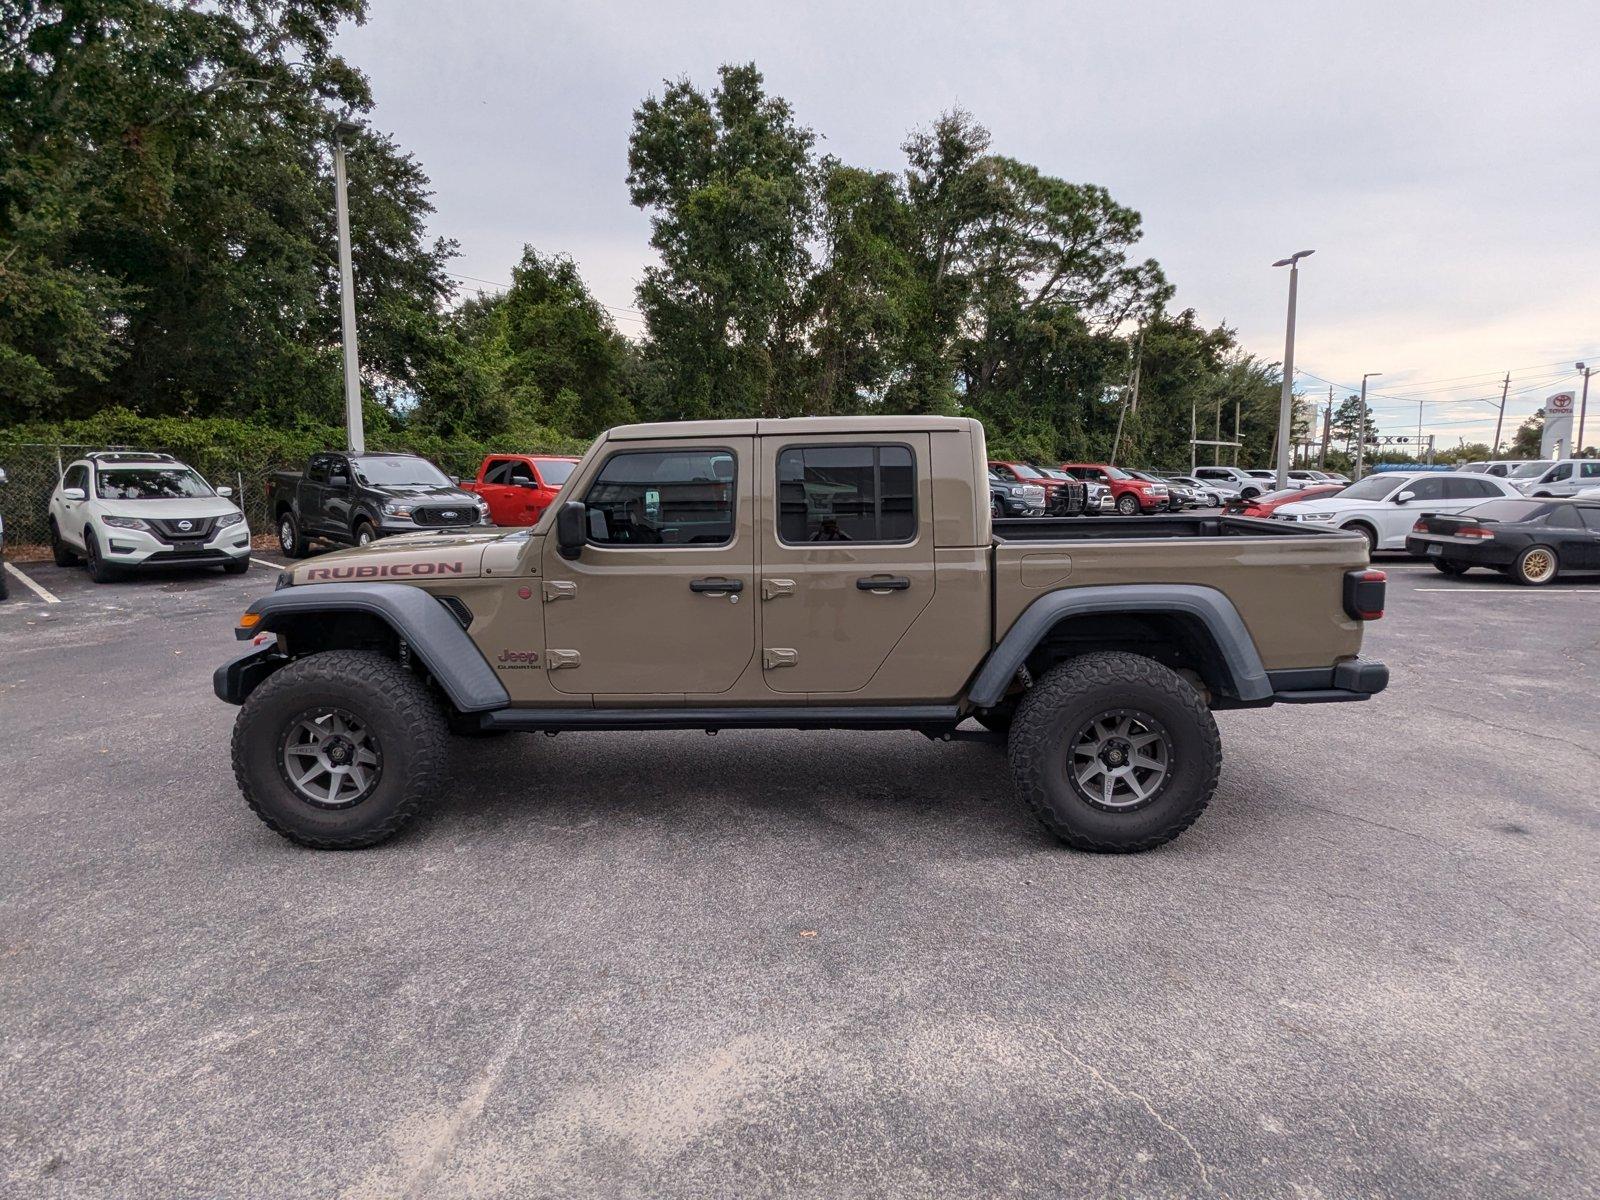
[44, 594]
[261, 562]
[1472, 591]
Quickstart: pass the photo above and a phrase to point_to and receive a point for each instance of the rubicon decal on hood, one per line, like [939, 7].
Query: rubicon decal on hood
[384, 571]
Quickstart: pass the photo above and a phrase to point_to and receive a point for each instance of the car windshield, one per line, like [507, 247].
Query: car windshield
[1024, 471]
[151, 483]
[1530, 469]
[1261, 474]
[399, 472]
[1374, 487]
[1053, 473]
[1117, 473]
[555, 471]
[1507, 510]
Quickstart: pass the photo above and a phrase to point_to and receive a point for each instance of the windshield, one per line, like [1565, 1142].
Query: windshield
[399, 472]
[1117, 473]
[1053, 473]
[1374, 487]
[1024, 471]
[555, 471]
[1529, 470]
[151, 483]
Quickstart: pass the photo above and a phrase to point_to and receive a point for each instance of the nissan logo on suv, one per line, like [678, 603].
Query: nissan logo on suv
[185, 525]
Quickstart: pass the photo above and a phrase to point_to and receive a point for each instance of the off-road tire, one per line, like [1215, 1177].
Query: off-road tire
[237, 566]
[366, 527]
[62, 553]
[1526, 569]
[1071, 694]
[1128, 504]
[401, 714]
[99, 569]
[1449, 568]
[291, 538]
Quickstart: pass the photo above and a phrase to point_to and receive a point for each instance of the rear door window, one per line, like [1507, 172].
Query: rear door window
[846, 494]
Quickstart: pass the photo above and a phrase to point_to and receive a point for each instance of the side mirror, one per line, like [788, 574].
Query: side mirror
[572, 520]
[1405, 497]
[224, 491]
[72, 494]
[338, 481]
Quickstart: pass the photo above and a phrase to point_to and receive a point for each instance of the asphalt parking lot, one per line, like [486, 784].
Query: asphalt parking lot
[775, 964]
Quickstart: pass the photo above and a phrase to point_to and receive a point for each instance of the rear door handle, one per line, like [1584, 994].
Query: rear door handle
[883, 583]
[716, 587]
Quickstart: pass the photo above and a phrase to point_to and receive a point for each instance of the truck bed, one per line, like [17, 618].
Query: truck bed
[1174, 525]
[1285, 579]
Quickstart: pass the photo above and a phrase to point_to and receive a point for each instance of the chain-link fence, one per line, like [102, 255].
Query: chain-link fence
[34, 468]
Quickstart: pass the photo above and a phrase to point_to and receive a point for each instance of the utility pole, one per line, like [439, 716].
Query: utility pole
[1583, 411]
[1286, 401]
[355, 433]
[1419, 431]
[1236, 428]
[1194, 430]
[1327, 431]
[1361, 424]
[1505, 388]
[1216, 449]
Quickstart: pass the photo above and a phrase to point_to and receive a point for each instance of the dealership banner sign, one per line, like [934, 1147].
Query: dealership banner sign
[1557, 436]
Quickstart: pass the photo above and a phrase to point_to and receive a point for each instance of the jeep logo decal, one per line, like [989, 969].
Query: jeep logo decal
[384, 571]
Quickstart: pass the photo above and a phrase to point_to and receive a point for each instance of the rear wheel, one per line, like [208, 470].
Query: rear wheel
[1446, 567]
[1114, 753]
[290, 539]
[99, 569]
[1536, 566]
[340, 750]
[59, 550]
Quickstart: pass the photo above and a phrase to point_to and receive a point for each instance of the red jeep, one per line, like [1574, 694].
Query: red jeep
[519, 487]
[1129, 494]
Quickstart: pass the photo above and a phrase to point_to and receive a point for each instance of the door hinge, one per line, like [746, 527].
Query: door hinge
[559, 589]
[773, 657]
[771, 589]
[554, 660]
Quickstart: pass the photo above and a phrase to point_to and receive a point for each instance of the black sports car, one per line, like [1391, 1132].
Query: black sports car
[1533, 541]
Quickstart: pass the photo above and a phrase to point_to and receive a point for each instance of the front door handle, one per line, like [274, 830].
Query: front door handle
[883, 583]
[716, 587]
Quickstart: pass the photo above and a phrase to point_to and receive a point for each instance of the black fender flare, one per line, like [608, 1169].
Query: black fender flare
[431, 631]
[1247, 676]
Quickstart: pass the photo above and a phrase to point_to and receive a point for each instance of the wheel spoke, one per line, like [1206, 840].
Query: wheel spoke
[1144, 760]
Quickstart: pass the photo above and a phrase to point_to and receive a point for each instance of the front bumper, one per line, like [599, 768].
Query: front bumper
[138, 548]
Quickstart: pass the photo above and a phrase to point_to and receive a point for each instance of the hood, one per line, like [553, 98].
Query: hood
[169, 509]
[409, 558]
[1328, 504]
[444, 493]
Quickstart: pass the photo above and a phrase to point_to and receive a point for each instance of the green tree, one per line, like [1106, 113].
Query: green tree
[166, 233]
[1529, 436]
[729, 181]
[1347, 424]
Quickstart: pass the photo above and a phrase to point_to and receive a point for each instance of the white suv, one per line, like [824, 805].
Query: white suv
[131, 509]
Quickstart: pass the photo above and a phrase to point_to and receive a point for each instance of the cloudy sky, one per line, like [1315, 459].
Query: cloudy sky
[1442, 159]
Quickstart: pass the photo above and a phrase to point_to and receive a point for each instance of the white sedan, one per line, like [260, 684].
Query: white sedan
[1384, 507]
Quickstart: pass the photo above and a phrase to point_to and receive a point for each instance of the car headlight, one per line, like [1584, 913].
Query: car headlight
[1317, 517]
[394, 508]
[228, 519]
[483, 510]
[1016, 491]
[126, 523]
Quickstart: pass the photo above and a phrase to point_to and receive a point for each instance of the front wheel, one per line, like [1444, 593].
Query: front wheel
[366, 534]
[1114, 753]
[236, 566]
[1127, 504]
[99, 569]
[996, 509]
[1536, 566]
[340, 750]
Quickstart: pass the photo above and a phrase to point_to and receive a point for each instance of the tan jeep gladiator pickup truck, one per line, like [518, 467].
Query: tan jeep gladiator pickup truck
[812, 573]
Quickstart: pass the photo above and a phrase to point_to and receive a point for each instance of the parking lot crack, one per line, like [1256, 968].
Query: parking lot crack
[1118, 1090]
[1587, 751]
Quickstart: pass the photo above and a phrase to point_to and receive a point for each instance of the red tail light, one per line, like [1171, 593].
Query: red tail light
[1364, 593]
[1421, 526]
[1475, 531]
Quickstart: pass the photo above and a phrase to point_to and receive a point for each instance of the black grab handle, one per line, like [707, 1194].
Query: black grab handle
[716, 585]
[896, 583]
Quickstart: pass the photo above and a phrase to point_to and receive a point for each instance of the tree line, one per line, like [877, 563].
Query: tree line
[167, 249]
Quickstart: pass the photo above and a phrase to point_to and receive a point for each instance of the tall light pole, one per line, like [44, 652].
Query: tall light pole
[1361, 424]
[1286, 401]
[355, 433]
[1583, 409]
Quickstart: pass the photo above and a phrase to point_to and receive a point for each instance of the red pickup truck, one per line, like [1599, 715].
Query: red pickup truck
[1133, 495]
[519, 487]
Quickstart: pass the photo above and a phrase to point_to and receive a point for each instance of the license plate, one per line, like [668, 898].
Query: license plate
[1436, 550]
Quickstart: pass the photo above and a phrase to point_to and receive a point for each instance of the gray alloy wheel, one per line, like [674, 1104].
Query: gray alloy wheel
[330, 759]
[1127, 504]
[1120, 759]
[365, 535]
[286, 538]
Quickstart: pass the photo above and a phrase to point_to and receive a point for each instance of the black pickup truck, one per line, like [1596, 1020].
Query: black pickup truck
[353, 499]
